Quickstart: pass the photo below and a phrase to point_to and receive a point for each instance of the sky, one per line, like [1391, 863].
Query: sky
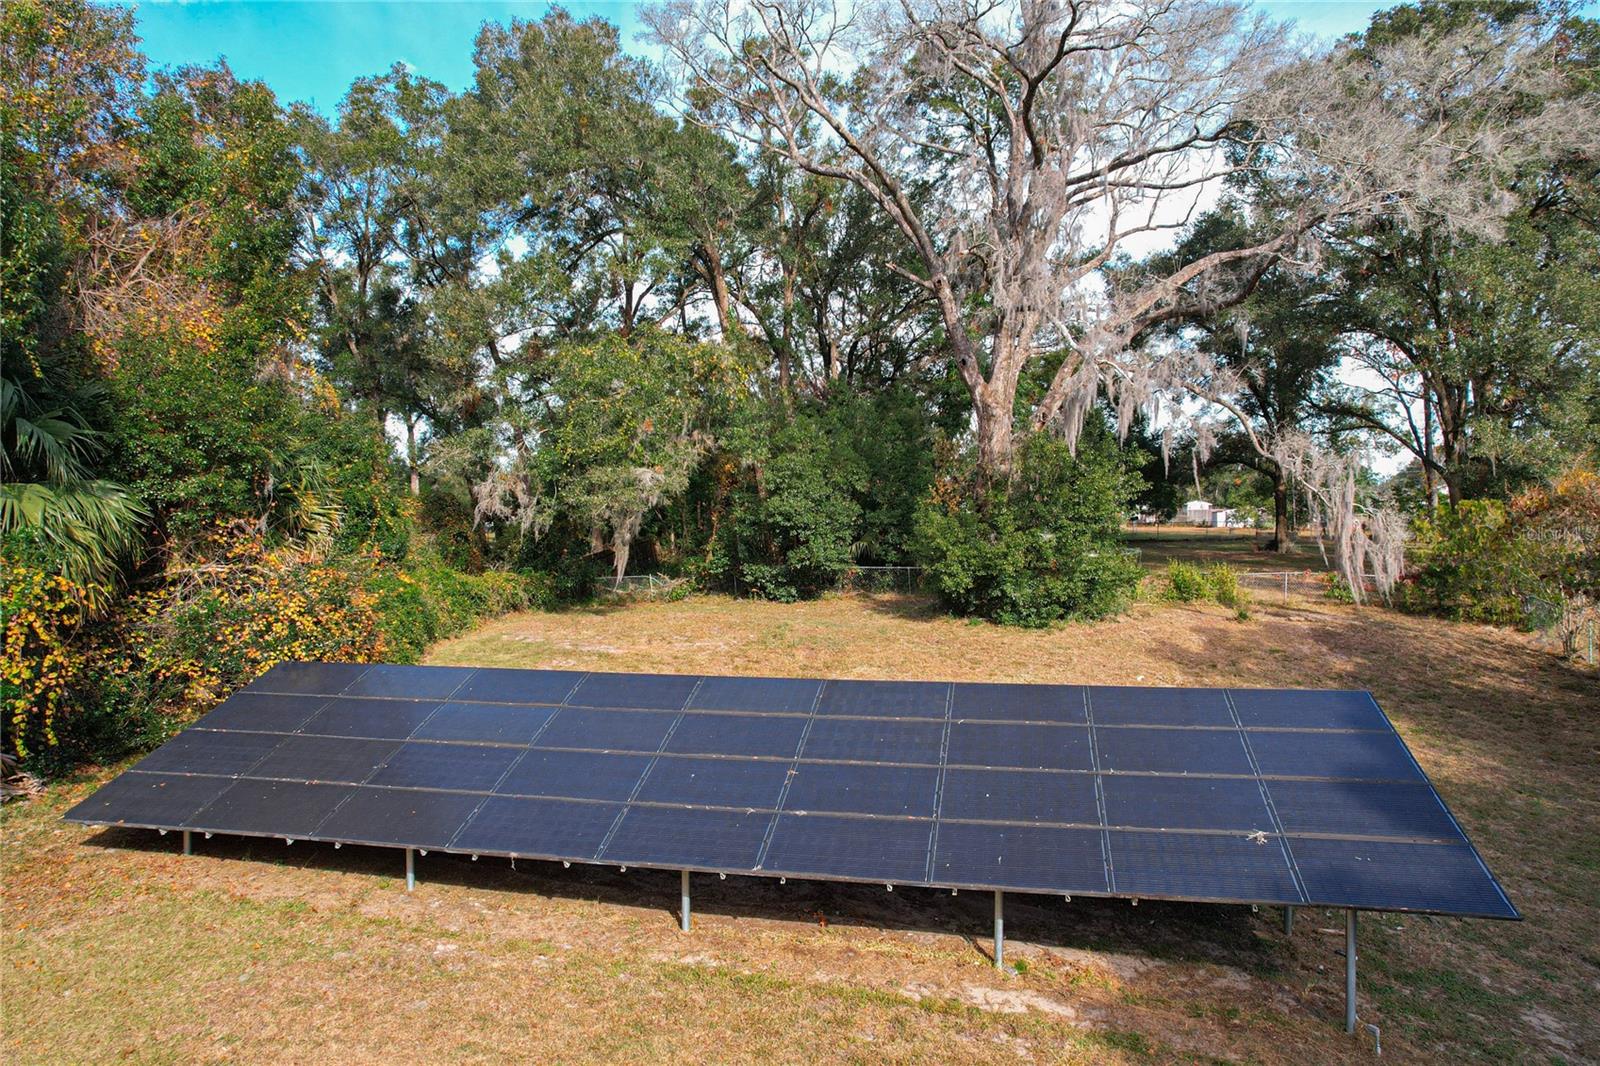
[311, 50]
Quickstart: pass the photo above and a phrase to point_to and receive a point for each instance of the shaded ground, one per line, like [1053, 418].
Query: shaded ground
[1160, 545]
[115, 946]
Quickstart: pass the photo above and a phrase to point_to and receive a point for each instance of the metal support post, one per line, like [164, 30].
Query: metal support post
[1350, 971]
[683, 908]
[188, 843]
[999, 930]
[411, 869]
[1288, 921]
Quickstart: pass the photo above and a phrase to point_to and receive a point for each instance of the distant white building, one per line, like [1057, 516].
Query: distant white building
[1202, 513]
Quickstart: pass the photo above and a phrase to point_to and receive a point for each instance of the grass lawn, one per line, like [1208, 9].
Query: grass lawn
[1159, 545]
[118, 948]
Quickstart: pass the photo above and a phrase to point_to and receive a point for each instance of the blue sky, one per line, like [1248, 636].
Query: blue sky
[311, 50]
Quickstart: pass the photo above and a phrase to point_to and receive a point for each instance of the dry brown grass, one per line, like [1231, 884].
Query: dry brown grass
[116, 947]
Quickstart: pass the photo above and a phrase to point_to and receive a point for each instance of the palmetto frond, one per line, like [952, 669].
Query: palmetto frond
[90, 524]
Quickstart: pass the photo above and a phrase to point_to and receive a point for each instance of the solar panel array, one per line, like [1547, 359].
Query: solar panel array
[1241, 795]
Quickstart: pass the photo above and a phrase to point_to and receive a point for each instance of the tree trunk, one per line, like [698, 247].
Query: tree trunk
[727, 322]
[1282, 534]
[994, 436]
[411, 456]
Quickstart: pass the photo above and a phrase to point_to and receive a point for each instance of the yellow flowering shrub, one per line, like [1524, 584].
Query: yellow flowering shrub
[42, 612]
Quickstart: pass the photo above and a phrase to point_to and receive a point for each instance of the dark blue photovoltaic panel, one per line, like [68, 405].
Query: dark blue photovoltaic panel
[260, 711]
[874, 741]
[575, 775]
[1385, 875]
[410, 682]
[269, 808]
[1028, 747]
[854, 789]
[1306, 709]
[302, 758]
[729, 840]
[737, 734]
[1362, 808]
[715, 782]
[1049, 788]
[556, 829]
[1123, 705]
[159, 800]
[461, 767]
[1172, 751]
[519, 686]
[198, 751]
[1019, 703]
[1376, 756]
[773, 695]
[1019, 856]
[379, 719]
[885, 699]
[1145, 802]
[667, 692]
[399, 816]
[485, 723]
[607, 730]
[1019, 796]
[325, 679]
[1210, 866]
[893, 850]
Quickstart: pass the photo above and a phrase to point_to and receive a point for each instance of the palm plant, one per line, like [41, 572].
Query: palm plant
[49, 489]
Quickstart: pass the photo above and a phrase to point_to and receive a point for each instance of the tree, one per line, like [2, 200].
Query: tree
[1265, 363]
[1055, 133]
[621, 426]
[1476, 346]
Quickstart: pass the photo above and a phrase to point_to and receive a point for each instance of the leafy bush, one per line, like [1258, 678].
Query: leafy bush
[41, 611]
[1469, 563]
[792, 519]
[1214, 583]
[1186, 582]
[1044, 548]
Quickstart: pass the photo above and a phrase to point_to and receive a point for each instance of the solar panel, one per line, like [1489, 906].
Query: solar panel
[1251, 796]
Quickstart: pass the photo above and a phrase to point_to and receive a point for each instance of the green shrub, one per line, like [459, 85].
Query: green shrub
[792, 519]
[1042, 549]
[1186, 582]
[1469, 563]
